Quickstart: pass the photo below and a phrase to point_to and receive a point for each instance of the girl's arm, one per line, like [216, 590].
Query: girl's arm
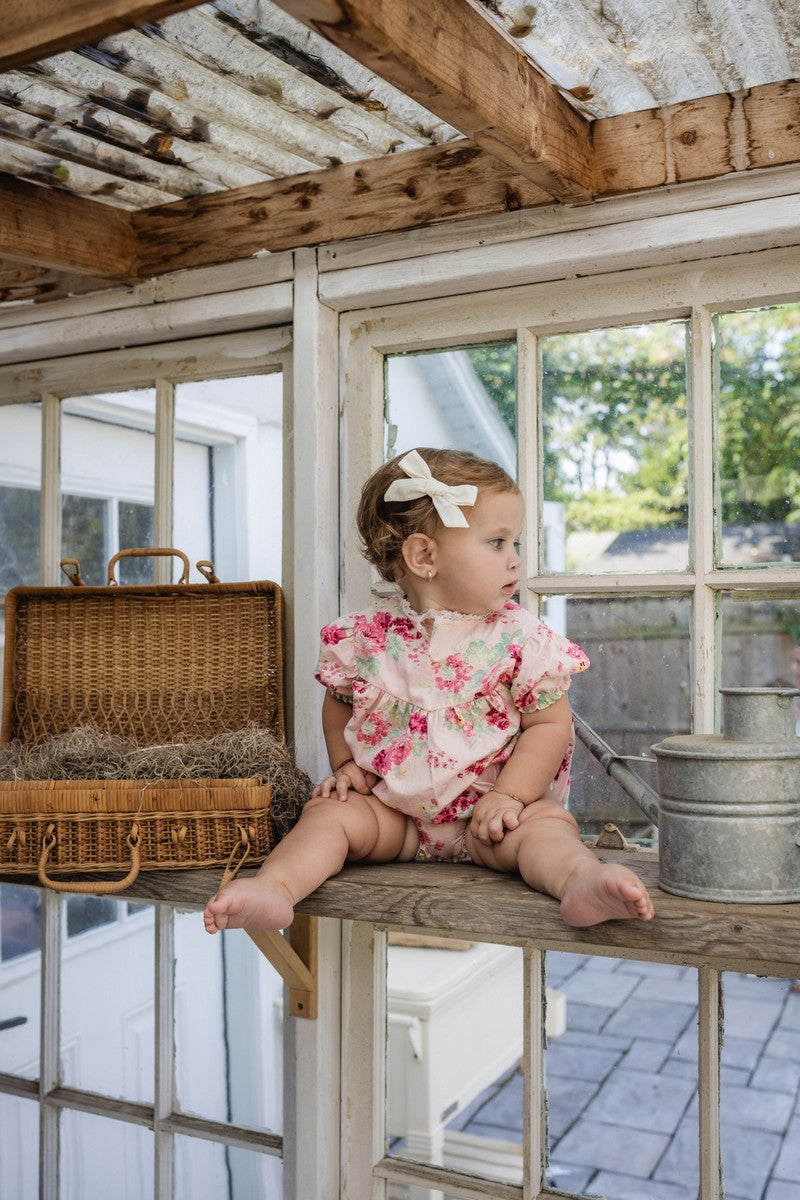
[346, 773]
[526, 776]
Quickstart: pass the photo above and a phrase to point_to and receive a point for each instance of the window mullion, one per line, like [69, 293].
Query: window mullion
[703, 521]
[363, 1060]
[50, 492]
[534, 1138]
[708, 1078]
[529, 451]
[164, 1091]
[50, 1036]
[164, 476]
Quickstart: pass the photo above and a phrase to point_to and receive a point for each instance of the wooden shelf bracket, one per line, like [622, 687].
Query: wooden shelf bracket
[295, 960]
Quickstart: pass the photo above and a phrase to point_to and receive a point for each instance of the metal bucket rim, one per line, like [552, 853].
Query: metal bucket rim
[759, 691]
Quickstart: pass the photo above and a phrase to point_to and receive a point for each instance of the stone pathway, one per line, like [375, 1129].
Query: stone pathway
[622, 1084]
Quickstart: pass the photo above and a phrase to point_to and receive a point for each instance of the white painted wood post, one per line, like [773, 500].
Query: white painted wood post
[363, 1060]
[311, 583]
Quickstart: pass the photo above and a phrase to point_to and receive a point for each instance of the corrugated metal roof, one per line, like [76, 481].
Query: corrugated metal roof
[618, 56]
[239, 92]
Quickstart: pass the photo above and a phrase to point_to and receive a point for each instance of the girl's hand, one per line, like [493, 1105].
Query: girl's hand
[349, 776]
[493, 815]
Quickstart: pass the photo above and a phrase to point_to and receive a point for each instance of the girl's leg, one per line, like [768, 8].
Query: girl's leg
[329, 832]
[547, 850]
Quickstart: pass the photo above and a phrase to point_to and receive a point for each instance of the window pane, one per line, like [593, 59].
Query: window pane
[462, 399]
[760, 1076]
[210, 1171]
[614, 412]
[228, 1057]
[89, 912]
[19, 1137]
[108, 481]
[19, 530]
[84, 535]
[107, 1008]
[760, 640]
[758, 356]
[621, 1079]
[636, 692]
[20, 980]
[101, 1157]
[228, 474]
[460, 1110]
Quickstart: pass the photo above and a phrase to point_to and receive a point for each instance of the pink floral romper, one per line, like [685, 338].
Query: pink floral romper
[437, 699]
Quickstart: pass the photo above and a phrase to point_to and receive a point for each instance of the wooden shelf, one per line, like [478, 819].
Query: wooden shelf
[477, 903]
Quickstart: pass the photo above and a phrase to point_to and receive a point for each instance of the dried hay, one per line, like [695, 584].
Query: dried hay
[90, 753]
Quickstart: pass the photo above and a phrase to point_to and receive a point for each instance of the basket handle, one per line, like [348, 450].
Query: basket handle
[148, 552]
[96, 889]
[206, 568]
[72, 569]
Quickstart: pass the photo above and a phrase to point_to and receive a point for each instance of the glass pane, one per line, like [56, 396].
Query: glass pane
[228, 1061]
[760, 1078]
[89, 912]
[637, 691]
[20, 920]
[228, 474]
[758, 357]
[20, 474]
[107, 1008]
[84, 530]
[101, 1157]
[19, 1137]
[621, 1077]
[761, 640]
[462, 399]
[108, 473]
[614, 412]
[20, 980]
[462, 1110]
[210, 1170]
[19, 529]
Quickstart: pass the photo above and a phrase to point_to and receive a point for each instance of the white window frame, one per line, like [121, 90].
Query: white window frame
[159, 367]
[691, 292]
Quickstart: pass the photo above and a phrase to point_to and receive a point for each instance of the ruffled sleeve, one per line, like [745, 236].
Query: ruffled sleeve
[545, 664]
[336, 667]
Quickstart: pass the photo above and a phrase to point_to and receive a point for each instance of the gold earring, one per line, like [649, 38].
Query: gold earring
[430, 576]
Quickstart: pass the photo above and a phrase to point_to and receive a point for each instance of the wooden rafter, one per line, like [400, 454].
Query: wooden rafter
[699, 139]
[35, 29]
[457, 63]
[63, 232]
[400, 191]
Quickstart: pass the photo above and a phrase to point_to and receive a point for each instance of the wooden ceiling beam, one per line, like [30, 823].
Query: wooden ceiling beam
[456, 62]
[63, 232]
[697, 139]
[400, 191]
[35, 29]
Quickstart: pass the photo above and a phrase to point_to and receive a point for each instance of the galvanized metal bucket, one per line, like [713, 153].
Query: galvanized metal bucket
[729, 804]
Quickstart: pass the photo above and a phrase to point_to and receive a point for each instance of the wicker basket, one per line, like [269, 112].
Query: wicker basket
[160, 663]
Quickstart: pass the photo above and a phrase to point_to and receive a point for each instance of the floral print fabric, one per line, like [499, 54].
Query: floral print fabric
[437, 698]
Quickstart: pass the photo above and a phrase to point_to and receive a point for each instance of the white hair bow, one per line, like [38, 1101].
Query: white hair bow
[446, 499]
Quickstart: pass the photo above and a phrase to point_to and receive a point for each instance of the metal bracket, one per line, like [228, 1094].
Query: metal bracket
[295, 960]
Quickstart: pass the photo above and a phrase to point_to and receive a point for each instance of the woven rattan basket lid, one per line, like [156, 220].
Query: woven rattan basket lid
[154, 663]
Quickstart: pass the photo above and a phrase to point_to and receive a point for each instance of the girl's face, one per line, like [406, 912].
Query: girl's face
[476, 570]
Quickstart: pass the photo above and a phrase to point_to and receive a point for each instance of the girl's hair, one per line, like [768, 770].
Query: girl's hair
[383, 525]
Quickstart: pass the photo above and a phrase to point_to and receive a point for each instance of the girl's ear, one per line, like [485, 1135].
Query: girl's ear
[418, 554]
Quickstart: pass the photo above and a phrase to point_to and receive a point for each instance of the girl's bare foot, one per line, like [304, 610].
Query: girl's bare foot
[249, 904]
[604, 892]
